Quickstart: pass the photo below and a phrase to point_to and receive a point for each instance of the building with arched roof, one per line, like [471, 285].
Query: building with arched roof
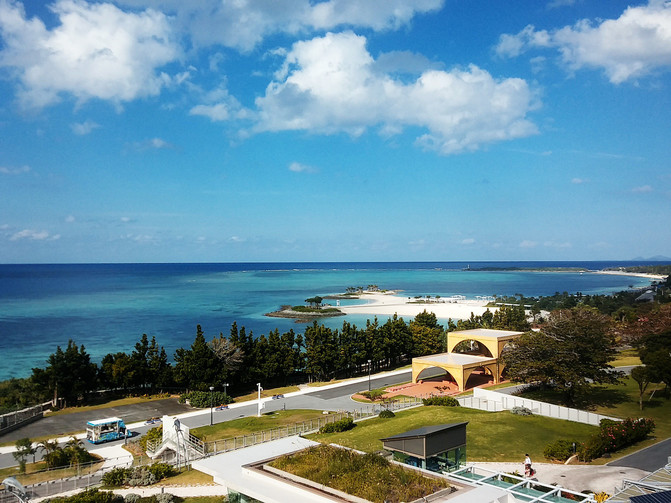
[484, 347]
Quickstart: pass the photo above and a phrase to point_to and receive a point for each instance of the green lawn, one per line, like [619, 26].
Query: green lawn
[625, 358]
[247, 425]
[622, 401]
[491, 436]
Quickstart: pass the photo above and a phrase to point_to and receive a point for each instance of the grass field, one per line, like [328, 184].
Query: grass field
[251, 424]
[621, 400]
[626, 358]
[37, 472]
[491, 436]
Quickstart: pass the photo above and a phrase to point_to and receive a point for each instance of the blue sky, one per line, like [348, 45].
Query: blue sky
[343, 130]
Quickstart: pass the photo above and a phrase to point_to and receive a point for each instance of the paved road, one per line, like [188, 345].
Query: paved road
[61, 425]
[336, 398]
[649, 459]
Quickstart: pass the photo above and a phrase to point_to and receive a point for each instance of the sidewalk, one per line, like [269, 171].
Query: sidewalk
[582, 478]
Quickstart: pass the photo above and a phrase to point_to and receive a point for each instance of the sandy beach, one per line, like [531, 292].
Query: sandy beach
[389, 304]
[651, 277]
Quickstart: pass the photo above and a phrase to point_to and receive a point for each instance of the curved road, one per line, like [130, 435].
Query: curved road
[335, 397]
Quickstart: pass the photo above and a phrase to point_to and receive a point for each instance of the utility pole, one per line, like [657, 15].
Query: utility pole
[211, 405]
[261, 406]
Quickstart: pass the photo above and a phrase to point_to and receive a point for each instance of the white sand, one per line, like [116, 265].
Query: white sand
[388, 305]
[651, 277]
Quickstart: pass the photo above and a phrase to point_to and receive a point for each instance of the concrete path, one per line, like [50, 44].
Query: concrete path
[581, 478]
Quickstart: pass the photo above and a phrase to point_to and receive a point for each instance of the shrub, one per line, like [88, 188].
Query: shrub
[203, 399]
[338, 426]
[446, 401]
[521, 411]
[614, 435]
[91, 496]
[131, 498]
[141, 476]
[164, 498]
[373, 394]
[154, 434]
[161, 471]
[560, 450]
[116, 477]
[386, 414]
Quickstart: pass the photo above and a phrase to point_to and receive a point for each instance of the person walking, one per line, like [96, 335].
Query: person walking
[528, 471]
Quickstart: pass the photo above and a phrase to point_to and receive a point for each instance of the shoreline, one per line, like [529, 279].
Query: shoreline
[390, 304]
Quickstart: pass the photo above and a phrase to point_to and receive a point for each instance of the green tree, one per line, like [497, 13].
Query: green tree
[428, 337]
[642, 377]
[570, 354]
[197, 368]
[655, 353]
[24, 448]
[69, 374]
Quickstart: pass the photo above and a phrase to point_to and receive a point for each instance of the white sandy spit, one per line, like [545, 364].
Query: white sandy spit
[388, 305]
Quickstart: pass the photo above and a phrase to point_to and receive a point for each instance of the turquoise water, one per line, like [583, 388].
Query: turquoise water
[107, 307]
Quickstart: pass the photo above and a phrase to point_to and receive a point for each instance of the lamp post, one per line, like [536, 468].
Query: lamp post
[225, 393]
[369, 376]
[211, 406]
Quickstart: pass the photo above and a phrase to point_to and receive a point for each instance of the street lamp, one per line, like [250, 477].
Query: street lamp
[225, 393]
[211, 406]
[369, 376]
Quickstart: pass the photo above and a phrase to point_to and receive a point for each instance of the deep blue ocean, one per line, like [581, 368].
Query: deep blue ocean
[107, 307]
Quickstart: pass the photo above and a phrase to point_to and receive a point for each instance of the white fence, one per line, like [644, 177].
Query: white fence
[488, 398]
[481, 404]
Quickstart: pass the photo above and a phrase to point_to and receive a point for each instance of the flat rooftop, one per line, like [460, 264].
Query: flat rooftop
[486, 333]
[457, 359]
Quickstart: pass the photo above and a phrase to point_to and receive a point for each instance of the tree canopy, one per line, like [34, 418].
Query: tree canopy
[570, 353]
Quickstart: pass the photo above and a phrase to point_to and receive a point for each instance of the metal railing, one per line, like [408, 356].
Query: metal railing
[305, 427]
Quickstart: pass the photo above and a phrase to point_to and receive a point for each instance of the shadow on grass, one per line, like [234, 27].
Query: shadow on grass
[596, 396]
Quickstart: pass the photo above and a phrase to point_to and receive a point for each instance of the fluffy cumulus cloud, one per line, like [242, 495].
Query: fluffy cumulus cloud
[95, 51]
[243, 24]
[631, 46]
[331, 84]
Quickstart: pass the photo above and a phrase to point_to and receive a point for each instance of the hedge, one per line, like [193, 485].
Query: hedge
[203, 399]
[342, 425]
[446, 401]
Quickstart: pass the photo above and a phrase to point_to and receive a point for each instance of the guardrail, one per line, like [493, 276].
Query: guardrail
[305, 427]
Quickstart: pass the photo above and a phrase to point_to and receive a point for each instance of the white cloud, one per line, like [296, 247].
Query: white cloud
[95, 51]
[84, 128]
[528, 244]
[297, 167]
[219, 106]
[244, 24]
[14, 171]
[554, 244]
[218, 112]
[631, 46]
[578, 181]
[236, 239]
[33, 235]
[70, 219]
[467, 241]
[152, 144]
[642, 189]
[330, 84]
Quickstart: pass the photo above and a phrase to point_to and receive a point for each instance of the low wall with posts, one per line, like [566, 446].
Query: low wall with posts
[541, 408]
[14, 420]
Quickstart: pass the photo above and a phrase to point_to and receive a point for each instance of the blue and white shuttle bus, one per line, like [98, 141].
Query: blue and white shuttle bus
[104, 430]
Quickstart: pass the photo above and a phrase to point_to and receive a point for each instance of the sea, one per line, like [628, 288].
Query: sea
[107, 307]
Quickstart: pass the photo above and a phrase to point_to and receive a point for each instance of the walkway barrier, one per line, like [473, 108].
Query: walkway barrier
[16, 419]
[488, 397]
[305, 427]
[480, 403]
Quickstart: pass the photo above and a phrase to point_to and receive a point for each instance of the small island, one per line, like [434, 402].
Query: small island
[314, 308]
